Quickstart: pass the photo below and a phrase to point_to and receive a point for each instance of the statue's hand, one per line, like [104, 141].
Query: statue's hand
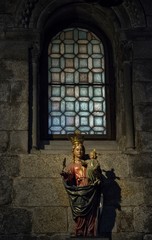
[64, 174]
[97, 182]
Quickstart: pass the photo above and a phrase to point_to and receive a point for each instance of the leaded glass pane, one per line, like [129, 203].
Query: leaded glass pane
[97, 77]
[76, 78]
[69, 77]
[83, 91]
[54, 77]
[55, 48]
[82, 35]
[83, 77]
[55, 91]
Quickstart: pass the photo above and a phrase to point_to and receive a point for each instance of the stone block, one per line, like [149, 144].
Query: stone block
[116, 161]
[40, 192]
[10, 7]
[22, 36]
[131, 192]
[125, 220]
[143, 219]
[149, 21]
[2, 6]
[4, 91]
[143, 117]
[5, 73]
[55, 236]
[107, 221]
[50, 220]
[71, 223]
[127, 236]
[4, 141]
[141, 165]
[19, 116]
[148, 191]
[62, 236]
[19, 141]
[9, 165]
[64, 146]
[15, 221]
[19, 91]
[148, 237]
[5, 120]
[9, 22]
[142, 49]
[18, 68]
[41, 165]
[89, 238]
[142, 70]
[112, 195]
[17, 237]
[142, 92]
[6, 190]
[14, 50]
[144, 141]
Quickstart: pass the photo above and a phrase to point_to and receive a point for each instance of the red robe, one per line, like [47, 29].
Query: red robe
[84, 199]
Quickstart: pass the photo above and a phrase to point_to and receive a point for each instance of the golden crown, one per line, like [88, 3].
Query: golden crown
[77, 138]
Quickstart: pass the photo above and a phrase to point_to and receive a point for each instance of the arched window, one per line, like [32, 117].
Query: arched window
[79, 91]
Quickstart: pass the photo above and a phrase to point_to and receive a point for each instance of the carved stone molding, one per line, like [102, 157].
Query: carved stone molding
[133, 9]
[6, 21]
[135, 13]
[124, 52]
[126, 49]
[35, 52]
[26, 13]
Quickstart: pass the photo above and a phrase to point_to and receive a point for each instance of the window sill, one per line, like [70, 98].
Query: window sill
[58, 147]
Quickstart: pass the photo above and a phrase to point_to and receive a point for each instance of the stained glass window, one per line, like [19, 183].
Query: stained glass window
[76, 83]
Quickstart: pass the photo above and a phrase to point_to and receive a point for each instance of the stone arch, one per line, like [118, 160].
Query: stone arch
[81, 14]
[112, 21]
[33, 13]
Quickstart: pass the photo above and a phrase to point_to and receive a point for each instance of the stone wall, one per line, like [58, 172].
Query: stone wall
[13, 94]
[33, 201]
[35, 204]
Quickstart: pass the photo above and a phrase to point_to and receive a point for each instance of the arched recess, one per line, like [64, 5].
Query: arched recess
[54, 17]
[77, 15]
[33, 13]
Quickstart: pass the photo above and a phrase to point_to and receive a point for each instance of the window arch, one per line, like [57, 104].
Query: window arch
[78, 87]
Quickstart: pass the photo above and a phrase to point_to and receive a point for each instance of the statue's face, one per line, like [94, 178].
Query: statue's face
[91, 155]
[79, 151]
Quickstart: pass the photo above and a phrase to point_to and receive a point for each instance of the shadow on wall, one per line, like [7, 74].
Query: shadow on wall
[111, 201]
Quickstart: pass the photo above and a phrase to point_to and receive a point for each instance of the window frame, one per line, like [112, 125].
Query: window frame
[109, 76]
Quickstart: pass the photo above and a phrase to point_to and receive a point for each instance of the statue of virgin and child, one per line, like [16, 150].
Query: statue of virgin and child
[82, 181]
